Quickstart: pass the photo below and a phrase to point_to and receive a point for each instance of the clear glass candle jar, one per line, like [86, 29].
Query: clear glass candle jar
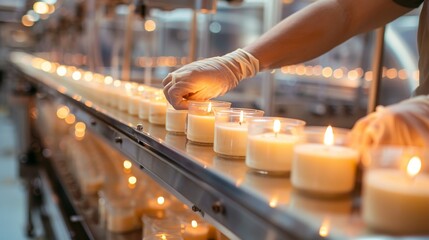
[121, 216]
[195, 228]
[395, 197]
[230, 136]
[133, 105]
[158, 108]
[144, 103]
[201, 120]
[162, 236]
[270, 144]
[176, 120]
[170, 225]
[323, 165]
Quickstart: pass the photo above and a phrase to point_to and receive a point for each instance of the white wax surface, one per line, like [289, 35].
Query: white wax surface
[270, 152]
[230, 138]
[395, 203]
[122, 221]
[144, 108]
[200, 128]
[133, 106]
[157, 112]
[324, 169]
[198, 233]
[176, 120]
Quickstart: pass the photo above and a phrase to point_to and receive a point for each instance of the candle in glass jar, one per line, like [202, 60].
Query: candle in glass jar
[271, 151]
[230, 136]
[195, 231]
[324, 168]
[158, 110]
[201, 120]
[155, 207]
[133, 106]
[144, 104]
[397, 200]
[176, 120]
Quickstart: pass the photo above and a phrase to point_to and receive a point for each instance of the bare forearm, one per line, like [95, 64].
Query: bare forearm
[320, 27]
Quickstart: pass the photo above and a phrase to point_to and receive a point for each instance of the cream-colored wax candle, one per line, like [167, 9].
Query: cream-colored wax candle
[195, 231]
[397, 200]
[201, 120]
[324, 168]
[158, 110]
[230, 137]
[176, 120]
[272, 150]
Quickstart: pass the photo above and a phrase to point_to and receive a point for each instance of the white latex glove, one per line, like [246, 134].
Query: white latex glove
[405, 123]
[208, 78]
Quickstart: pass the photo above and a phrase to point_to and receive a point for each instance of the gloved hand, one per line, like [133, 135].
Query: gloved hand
[405, 123]
[208, 78]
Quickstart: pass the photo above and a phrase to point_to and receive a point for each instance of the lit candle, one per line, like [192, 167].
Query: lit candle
[176, 120]
[195, 231]
[155, 207]
[201, 120]
[397, 200]
[133, 106]
[158, 109]
[144, 104]
[271, 142]
[230, 136]
[324, 168]
[124, 97]
[121, 217]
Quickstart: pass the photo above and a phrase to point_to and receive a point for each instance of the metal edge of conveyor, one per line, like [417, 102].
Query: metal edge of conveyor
[245, 215]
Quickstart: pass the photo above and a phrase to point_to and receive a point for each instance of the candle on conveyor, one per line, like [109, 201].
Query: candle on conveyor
[158, 109]
[395, 198]
[201, 120]
[271, 142]
[230, 136]
[324, 168]
[176, 120]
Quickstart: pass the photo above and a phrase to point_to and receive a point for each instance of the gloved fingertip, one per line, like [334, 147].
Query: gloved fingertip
[181, 105]
[167, 79]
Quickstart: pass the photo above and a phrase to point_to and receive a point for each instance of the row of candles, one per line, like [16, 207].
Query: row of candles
[141, 204]
[273, 145]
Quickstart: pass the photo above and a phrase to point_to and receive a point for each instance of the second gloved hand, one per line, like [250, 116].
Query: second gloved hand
[405, 124]
[208, 78]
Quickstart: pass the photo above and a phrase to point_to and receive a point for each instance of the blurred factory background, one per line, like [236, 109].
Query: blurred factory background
[144, 40]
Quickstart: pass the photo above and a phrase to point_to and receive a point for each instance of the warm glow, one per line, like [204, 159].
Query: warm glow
[140, 88]
[241, 116]
[70, 119]
[79, 134]
[61, 70]
[76, 75]
[160, 200]
[276, 127]
[338, 73]
[41, 7]
[163, 237]
[62, 112]
[352, 75]
[132, 180]
[128, 87]
[27, 21]
[127, 164]
[149, 25]
[324, 228]
[414, 166]
[368, 76]
[209, 108]
[402, 74]
[108, 80]
[329, 136]
[80, 126]
[51, 9]
[327, 72]
[273, 202]
[117, 83]
[194, 224]
[46, 66]
[87, 76]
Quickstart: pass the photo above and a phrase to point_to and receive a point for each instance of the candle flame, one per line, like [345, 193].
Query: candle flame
[127, 164]
[163, 237]
[241, 117]
[194, 224]
[132, 180]
[329, 136]
[324, 228]
[160, 200]
[209, 107]
[414, 166]
[276, 127]
[108, 80]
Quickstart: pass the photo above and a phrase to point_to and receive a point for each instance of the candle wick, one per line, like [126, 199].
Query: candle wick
[239, 123]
